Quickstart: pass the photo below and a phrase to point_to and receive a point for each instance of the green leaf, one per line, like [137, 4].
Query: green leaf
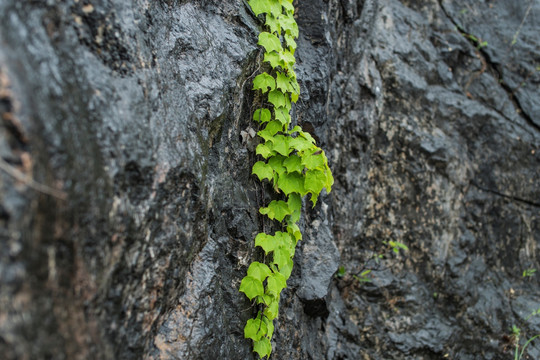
[277, 98]
[293, 164]
[283, 116]
[251, 287]
[293, 86]
[260, 6]
[276, 7]
[258, 271]
[290, 42]
[329, 179]
[273, 127]
[291, 183]
[275, 283]
[277, 210]
[286, 268]
[265, 150]
[281, 145]
[314, 183]
[307, 136]
[255, 329]
[276, 163]
[272, 58]
[263, 347]
[264, 82]
[300, 143]
[287, 5]
[270, 242]
[289, 25]
[263, 171]
[273, 23]
[287, 58]
[262, 115]
[264, 299]
[270, 42]
[282, 82]
[314, 160]
[272, 310]
[294, 230]
[295, 202]
[266, 242]
[269, 325]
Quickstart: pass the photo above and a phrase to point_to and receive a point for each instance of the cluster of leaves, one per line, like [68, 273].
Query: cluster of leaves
[290, 161]
[528, 272]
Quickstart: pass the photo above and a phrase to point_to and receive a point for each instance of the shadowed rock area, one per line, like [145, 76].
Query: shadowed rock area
[128, 212]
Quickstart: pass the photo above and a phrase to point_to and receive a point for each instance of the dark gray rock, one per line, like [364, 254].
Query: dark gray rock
[132, 121]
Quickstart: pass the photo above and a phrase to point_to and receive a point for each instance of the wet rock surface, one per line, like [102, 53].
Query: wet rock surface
[132, 121]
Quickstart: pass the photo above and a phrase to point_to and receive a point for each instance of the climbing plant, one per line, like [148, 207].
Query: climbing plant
[290, 161]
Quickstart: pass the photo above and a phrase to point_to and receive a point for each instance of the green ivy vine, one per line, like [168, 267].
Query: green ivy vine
[291, 162]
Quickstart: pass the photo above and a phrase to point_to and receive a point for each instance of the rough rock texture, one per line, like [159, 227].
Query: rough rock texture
[128, 211]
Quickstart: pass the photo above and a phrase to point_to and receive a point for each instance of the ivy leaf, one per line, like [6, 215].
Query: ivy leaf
[262, 115]
[287, 58]
[300, 144]
[314, 160]
[270, 130]
[269, 325]
[294, 230]
[264, 82]
[293, 86]
[282, 82]
[265, 150]
[266, 242]
[314, 183]
[290, 42]
[281, 145]
[251, 287]
[275, 283]
[286, 267]
[272, 58]
[283, 116]
[273, 23]
[295, 202]
[273, 127]
[277, 98]
[295, 129]
[263, 347]
[264, 299]
[276, 163]
[255, 329]
[287, 5]
[293, 164]
[262, 170]
[259, 6]
[277, 209]
[258, 271]
[267, 136]
[307, 136]
[289, 25]
[291, 183]
[277, 10]
[271, 242]
[270, 42]
[272, 310]
[329, 180]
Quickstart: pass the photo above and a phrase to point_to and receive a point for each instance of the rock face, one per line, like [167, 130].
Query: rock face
[128, 211]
